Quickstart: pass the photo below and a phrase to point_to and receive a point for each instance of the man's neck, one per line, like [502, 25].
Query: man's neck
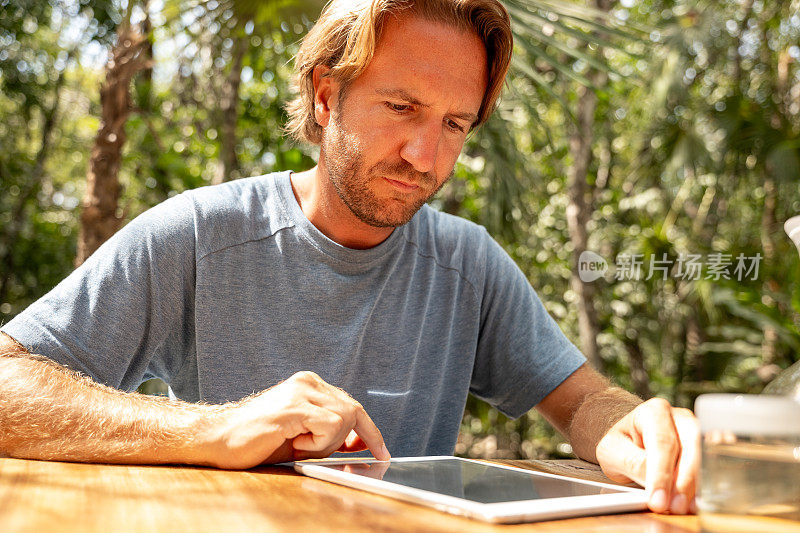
[322, 206]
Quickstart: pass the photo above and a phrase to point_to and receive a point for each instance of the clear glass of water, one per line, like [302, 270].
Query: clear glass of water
[750, 469]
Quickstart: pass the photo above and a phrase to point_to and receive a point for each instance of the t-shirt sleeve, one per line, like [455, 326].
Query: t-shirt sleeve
[125, 315]
[522, 353]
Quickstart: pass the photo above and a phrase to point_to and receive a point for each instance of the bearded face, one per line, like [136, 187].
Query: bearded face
[393, 134]
[383, 194]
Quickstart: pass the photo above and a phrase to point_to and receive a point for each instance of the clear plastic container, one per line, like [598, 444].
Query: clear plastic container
[750, 470]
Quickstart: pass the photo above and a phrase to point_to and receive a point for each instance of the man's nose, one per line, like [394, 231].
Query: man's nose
[422, 146]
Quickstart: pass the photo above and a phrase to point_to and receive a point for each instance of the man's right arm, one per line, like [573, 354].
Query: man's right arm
[50, 412]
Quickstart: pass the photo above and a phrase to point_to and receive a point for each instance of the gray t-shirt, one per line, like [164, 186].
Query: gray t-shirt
[227, 290]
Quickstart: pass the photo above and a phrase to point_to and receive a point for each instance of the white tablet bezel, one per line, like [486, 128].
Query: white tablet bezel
[628, 499]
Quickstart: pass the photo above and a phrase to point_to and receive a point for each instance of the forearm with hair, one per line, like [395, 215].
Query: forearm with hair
[595, 416]
[50, 412]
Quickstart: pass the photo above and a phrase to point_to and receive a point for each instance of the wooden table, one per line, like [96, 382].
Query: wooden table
[52, 497]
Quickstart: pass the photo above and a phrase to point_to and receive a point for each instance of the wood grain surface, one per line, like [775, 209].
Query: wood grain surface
[48, 497]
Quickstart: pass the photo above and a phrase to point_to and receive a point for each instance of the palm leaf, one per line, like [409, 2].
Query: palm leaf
[540, 47]
[533, 49]
[523, 17]
[583, 15]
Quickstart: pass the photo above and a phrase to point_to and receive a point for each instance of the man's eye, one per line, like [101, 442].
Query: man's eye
[399, 108]
[454, 126]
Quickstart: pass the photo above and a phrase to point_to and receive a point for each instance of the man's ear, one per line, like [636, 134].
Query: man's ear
[326, 91]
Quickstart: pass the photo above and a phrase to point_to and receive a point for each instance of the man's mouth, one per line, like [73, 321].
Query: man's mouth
[402, 185]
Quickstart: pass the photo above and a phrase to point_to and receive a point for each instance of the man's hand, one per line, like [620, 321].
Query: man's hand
[657, 446]
[49, 412]
[651, 443]
[301, 418]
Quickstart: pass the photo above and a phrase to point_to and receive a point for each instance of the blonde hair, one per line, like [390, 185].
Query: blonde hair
[347, 33]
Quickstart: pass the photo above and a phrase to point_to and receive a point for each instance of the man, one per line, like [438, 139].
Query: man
[304, 286]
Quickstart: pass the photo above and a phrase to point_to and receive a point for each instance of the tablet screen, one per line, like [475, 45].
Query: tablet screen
[476, 482]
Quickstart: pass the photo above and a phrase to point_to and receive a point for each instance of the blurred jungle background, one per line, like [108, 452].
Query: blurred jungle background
[653, 133]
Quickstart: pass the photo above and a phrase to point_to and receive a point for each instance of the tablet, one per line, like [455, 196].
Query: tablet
[489, 492]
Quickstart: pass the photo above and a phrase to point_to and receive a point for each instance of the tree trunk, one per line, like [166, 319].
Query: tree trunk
[694, 339]
[768, 225]
[578, 212]
[145, 109]
[689, 361]
[99, 219]
[228, 165]
[639, 377]
[580, 208]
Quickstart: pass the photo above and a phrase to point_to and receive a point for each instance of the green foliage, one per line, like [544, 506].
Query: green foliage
[696, 131]
[687, 150]
[43, 139]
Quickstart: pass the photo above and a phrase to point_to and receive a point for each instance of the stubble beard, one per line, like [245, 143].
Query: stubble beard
[344, 161]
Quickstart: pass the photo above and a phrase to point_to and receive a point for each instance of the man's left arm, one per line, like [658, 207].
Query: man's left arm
[651, 443]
